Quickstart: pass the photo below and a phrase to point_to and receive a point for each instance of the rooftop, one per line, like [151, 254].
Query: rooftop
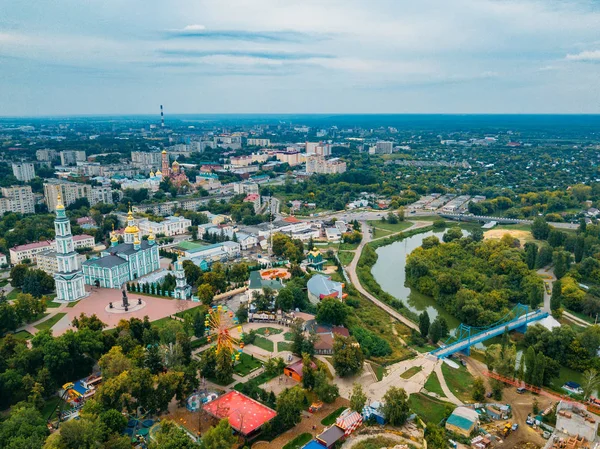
[245, 414]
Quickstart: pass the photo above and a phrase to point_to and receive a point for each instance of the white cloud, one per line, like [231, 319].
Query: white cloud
[588, 55]
[194, 27]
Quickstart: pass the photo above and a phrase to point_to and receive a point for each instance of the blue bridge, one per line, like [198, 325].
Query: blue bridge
[467, 336]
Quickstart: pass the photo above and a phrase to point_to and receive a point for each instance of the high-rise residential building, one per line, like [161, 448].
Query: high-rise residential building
[23, 171]
[46, 155]
[144, 159]
[69, 277]
[72, 191]
[253, 142]
[318, 164]
[383, 147]
[318, 148]
[71, 157]
[17, 199]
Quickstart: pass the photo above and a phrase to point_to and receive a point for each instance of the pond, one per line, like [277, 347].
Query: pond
[389, 272]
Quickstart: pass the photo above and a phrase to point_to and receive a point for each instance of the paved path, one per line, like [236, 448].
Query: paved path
[351, 270]
[30, 327]
[447, 392]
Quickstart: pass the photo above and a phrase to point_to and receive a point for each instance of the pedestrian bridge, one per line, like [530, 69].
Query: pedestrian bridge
[466, 336]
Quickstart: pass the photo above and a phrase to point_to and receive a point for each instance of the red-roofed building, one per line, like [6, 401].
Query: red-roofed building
[253, 198]
[245, 415]
[31, 250]
[295, 370]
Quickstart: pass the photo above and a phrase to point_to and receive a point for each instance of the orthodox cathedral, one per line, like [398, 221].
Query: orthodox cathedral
[68, 279]
[174, 172]
[123, 262]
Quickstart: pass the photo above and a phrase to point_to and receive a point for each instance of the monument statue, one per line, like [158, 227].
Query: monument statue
[125, 300]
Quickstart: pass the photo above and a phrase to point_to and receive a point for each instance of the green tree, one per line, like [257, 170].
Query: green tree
[452, 234]
[529, 360]
[17, 275]
[113, 420]
[538, 371]
[332, 311]
[591, 382]
[424, 324]
[220, 436]
[289, 407]
[531, 251]
[348, 357]
[478, 390]
[205, 293]
[171, 436]
[435, 437]
[395, 407]
[324, 390]
[540, 229]
[556, 298]
[224, 366]
[24, 427]
[308, 372]
[358, 398]
[114, 362]
[477, 234]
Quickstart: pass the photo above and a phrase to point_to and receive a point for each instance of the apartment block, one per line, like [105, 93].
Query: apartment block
[23, 171]
[252, 142]
[72, 191]
[71, 157]
[318, 148]
[31, 250]
[318, 164]
[17, 199]
[144, 159]
[46, 155]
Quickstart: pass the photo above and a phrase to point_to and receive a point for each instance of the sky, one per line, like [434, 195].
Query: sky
[70, 57]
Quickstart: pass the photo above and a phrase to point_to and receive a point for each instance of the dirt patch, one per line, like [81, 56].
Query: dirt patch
[522, 404]
[523, 236]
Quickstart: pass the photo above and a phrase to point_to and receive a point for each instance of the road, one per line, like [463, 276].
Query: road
[351, 270]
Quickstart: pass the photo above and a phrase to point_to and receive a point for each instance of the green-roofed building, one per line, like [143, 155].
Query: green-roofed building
[462, 421]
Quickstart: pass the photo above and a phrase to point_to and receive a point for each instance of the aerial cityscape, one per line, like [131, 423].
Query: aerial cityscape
[300, 225]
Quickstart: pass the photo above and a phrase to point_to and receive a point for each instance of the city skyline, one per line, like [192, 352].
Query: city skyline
[300, 57]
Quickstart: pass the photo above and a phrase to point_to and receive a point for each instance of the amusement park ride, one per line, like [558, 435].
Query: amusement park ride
[218, 321]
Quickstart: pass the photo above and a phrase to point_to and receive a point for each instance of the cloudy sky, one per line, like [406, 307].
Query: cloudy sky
[278, 56]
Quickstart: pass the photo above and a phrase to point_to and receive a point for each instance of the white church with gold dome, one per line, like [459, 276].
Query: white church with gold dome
[123, 262]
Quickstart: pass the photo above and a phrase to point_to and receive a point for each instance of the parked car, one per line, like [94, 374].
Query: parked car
[521, 390]
[514, 427]
[530, 421]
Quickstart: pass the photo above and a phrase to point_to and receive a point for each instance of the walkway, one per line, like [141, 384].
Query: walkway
[449, 395]
[30, 327]
[351, 270]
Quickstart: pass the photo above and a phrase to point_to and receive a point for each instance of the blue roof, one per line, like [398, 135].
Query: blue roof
[313, 444]
[571, 384]
[79, 388]
[460, 421]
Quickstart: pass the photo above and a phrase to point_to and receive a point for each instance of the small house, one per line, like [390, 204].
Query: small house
[331, 436]
[462, 421]
[295, 370]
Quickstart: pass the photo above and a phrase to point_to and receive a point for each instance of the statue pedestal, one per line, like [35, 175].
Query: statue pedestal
[117, 306]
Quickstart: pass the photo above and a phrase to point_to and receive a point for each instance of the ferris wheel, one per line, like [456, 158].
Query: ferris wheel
[218, 323]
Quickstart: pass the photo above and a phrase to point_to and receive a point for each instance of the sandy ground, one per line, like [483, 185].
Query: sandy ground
[523, 236]
[522, 405]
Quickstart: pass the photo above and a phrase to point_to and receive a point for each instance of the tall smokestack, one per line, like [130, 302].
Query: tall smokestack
[162, 117]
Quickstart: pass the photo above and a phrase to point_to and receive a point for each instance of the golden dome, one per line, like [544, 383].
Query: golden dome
[59, 203]
[164, 151]
[175, 164]
[150, 234]
[136, 241]
[158, 173]
[132, 230]
[152, 174]
[114, 238]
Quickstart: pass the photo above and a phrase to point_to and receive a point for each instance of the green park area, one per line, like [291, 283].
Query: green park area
[429, 409]
[459, 380]
[246, 365]
[50, 322]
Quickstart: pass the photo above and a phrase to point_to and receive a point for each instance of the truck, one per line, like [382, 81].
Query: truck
[507, 429]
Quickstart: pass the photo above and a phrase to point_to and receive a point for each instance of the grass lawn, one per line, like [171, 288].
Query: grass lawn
[348, 246]
[391, 228]
[246, 365]
[299, 441]
[460, 381]
[330, 419]
[271, 331]
[345, 257]
[378, 370]
[49, 406]
[288, 336]
[429, 409]
[375, 443]
[284, 346]
[51, 322]
[264, 343]
[72, 304]
[411, 372]
[199, 342]
[13, 294]
[51, 304]
[433, 385]
[22, 335]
